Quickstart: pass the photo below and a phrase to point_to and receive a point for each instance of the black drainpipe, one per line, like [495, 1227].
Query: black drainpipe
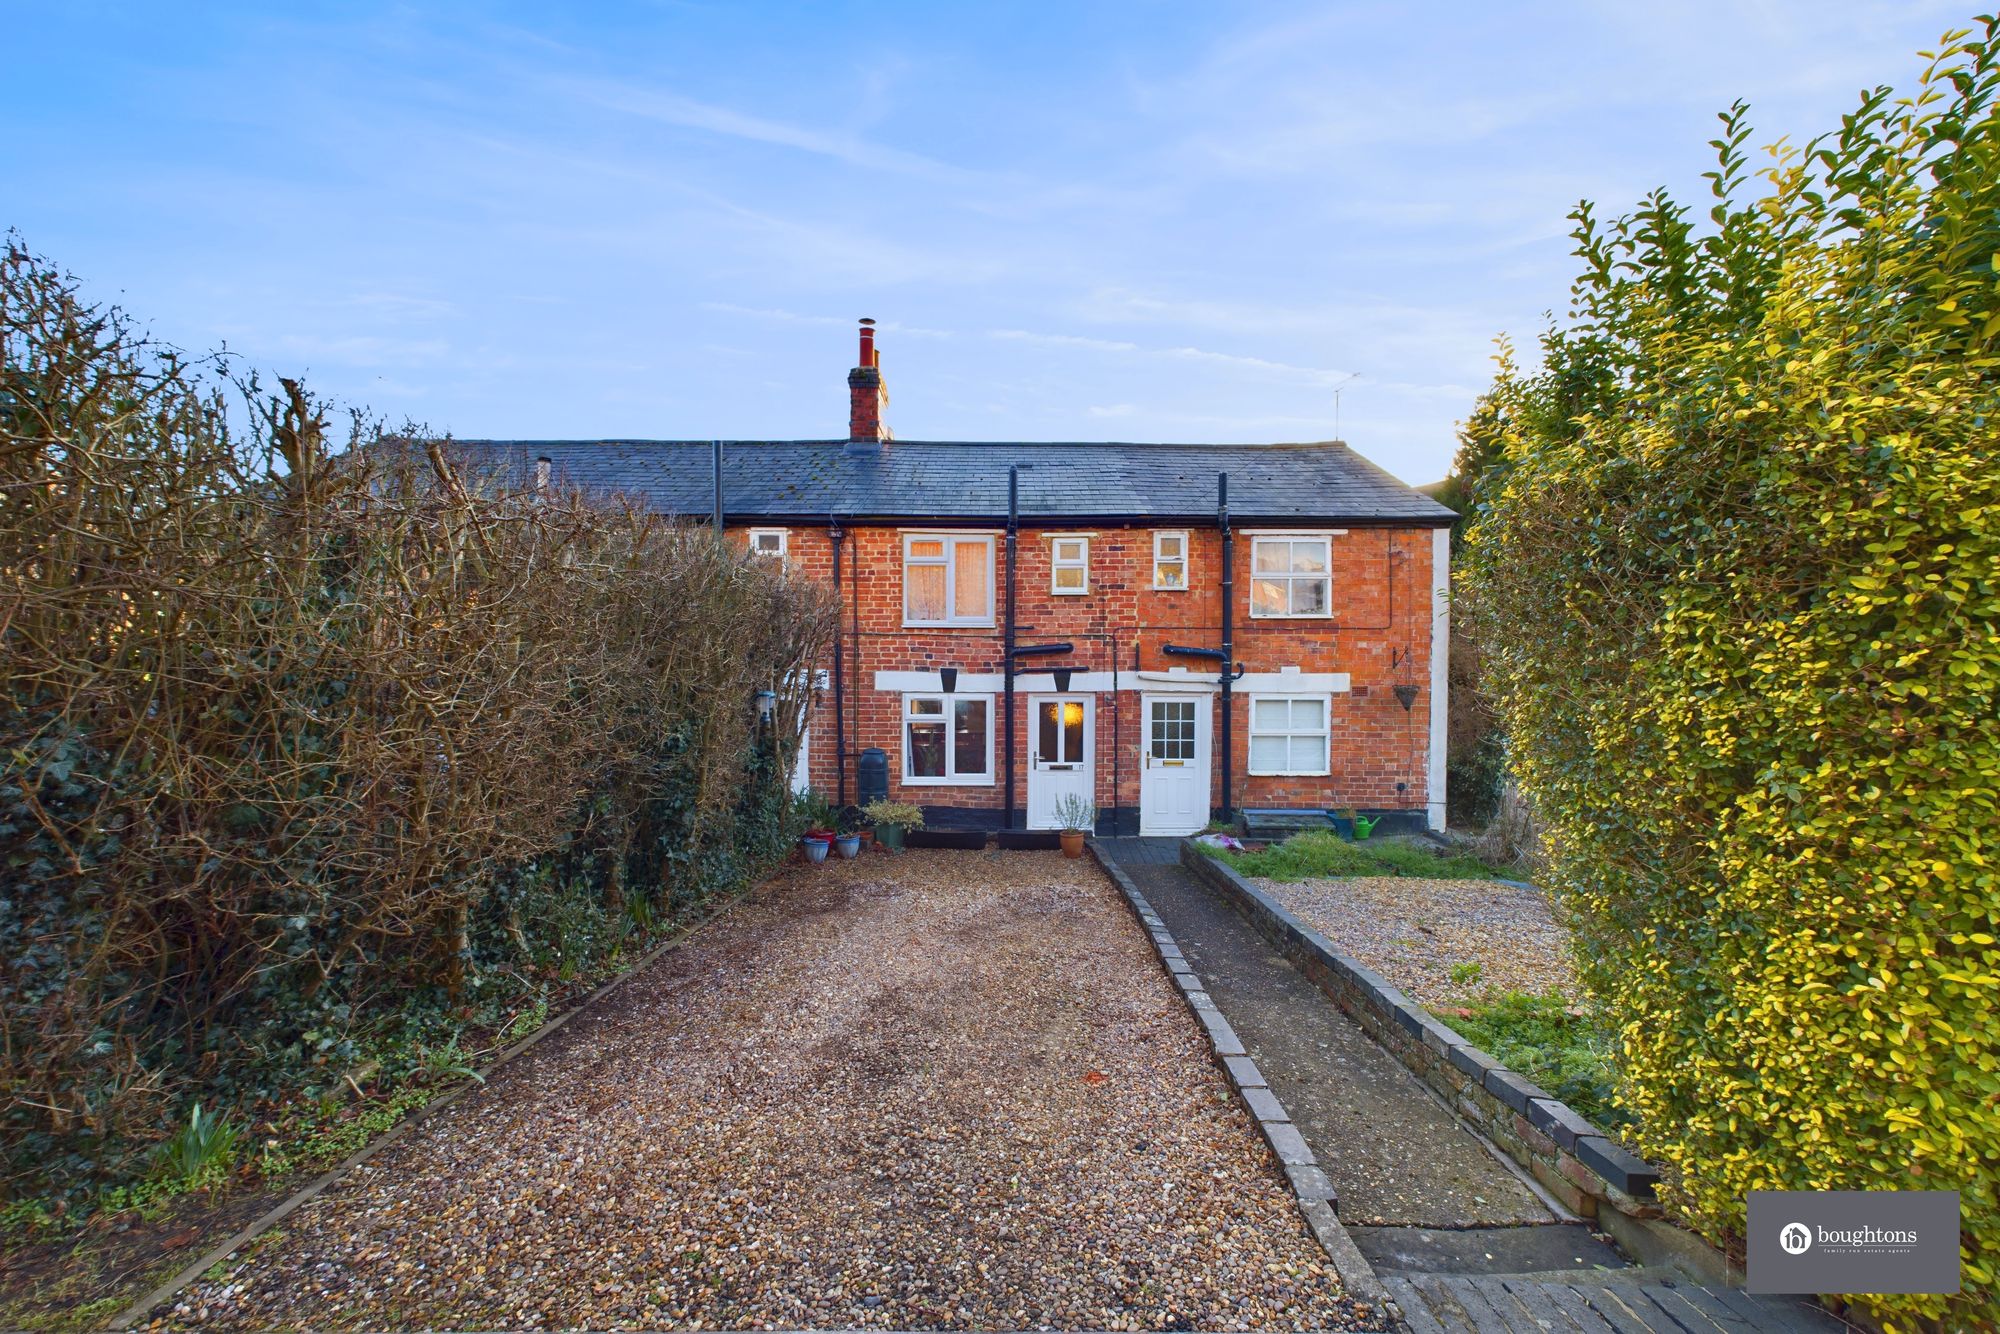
[1228, 639]
[836, 536]
[854, 677]
[1117, 735]
[1007, 634]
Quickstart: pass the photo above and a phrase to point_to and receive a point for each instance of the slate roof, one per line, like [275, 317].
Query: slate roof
[932, 480]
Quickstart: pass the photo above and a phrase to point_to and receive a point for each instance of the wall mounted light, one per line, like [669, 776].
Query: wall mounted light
[1406, 695]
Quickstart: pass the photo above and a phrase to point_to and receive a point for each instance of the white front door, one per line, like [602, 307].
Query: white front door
[1061, 754]
[801, 770]
[1173, 768]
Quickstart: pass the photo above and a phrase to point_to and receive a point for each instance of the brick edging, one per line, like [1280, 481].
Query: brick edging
[1588, 1171]
[1311, 1189]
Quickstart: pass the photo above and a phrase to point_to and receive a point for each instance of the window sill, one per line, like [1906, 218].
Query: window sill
[1290, 773]
[948, 625]
[1069, 592]
[1291, 616]
[975, 780]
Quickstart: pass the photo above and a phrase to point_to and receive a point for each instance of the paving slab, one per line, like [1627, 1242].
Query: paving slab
[1570, 1247]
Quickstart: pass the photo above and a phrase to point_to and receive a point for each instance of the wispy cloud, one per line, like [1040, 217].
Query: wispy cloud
[688, 113]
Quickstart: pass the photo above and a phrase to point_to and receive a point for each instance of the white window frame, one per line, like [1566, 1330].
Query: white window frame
[1058, 563]
[1187, 580]
[1257, 543]
[784, 551]
[1325, 734]
[950, 778]
[950, 563]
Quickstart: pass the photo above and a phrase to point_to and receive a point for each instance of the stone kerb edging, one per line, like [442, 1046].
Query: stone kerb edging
[1577, 1163]
[1310, 1187]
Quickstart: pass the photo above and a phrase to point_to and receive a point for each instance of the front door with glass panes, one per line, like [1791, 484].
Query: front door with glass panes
[1061, 762]
[1173, 770]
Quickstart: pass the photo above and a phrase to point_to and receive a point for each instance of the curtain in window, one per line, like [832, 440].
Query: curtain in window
[969, 595]
[1288, 735]
[923, 592]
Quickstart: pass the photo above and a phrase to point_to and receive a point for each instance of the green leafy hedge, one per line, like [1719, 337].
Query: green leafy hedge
[1738, 577]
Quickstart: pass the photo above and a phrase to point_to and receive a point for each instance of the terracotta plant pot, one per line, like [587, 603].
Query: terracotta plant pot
[867, 837]
[1072, 842]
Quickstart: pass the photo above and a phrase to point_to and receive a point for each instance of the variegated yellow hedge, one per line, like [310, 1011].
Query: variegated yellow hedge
[1738, 581]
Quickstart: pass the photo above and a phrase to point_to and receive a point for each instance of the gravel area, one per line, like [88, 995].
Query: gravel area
[1414, 932]
[940, 1090]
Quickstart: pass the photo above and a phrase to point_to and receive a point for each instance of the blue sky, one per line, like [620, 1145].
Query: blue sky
[1130, 221]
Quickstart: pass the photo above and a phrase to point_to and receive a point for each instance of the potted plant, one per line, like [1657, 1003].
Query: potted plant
[1354, 825]
[1075, 817]
[854, 832]
[811, 809]
[892, 819]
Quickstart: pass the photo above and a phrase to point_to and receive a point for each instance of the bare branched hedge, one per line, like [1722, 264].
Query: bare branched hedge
[293, 736]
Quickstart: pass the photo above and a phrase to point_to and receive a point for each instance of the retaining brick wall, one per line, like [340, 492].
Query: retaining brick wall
[1575, 1162]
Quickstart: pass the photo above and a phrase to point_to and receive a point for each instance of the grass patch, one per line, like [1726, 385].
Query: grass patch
[1322, 854]
[1539, 1037]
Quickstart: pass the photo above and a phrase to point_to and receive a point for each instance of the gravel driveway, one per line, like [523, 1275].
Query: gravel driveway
[940, 1090]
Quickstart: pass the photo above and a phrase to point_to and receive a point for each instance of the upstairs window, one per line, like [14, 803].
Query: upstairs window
[1291, 577]
[1069, 565]
[770, 543]
[1170, 563]
[947, 579]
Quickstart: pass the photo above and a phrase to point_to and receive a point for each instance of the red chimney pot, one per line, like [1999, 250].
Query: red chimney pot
[864, 392]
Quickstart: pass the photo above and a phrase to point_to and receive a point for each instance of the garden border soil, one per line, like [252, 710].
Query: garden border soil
[241, 1239]
[1310, 1186]
[1589, 1172]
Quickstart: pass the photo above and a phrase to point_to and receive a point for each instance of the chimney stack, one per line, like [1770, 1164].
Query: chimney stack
[864, 393]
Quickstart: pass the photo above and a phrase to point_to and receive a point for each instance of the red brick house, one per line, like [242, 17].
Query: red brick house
[1026, 621]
